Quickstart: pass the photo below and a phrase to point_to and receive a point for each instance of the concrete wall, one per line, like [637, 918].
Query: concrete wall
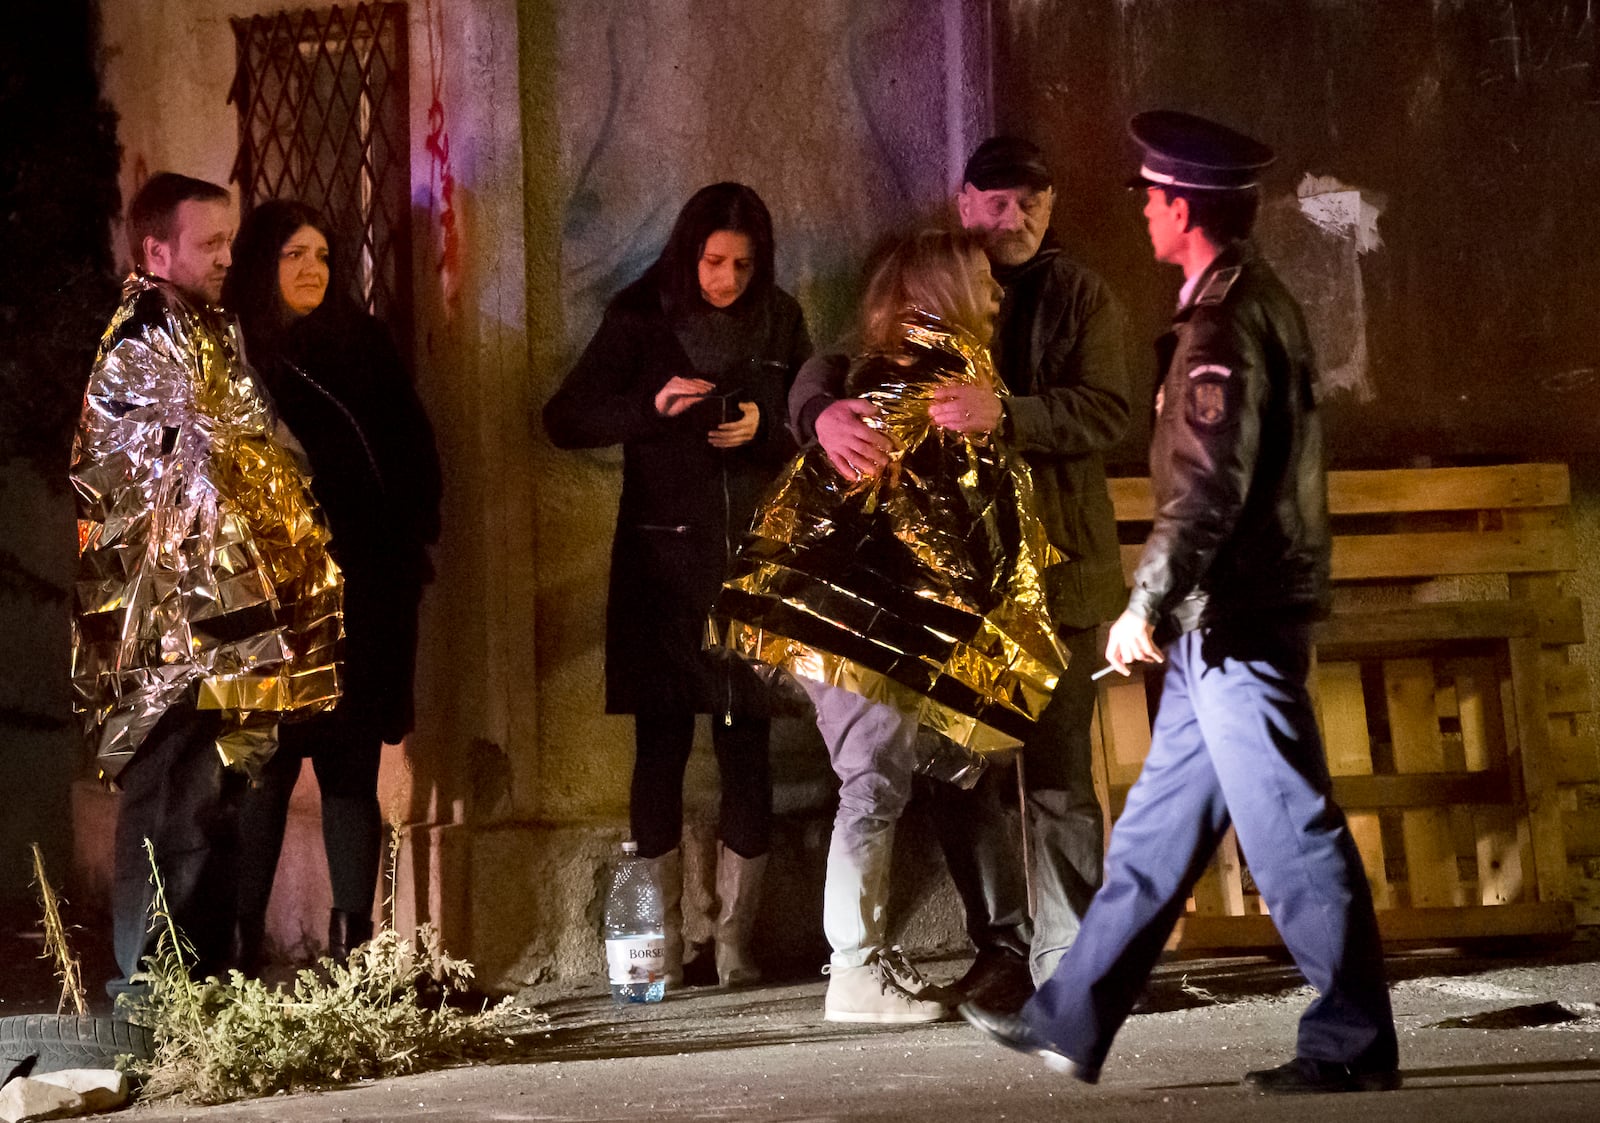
[1433, 162]
[168, 65]
[1466, 128]
[844, 117]
[1466, 135]
[552, 144]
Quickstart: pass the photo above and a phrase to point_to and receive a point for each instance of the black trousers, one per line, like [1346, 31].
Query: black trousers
[979, 830]
[177, 793]
[344, 751]
[661, 752]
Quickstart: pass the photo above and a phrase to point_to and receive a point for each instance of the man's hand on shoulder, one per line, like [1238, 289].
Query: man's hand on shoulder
[856, 449]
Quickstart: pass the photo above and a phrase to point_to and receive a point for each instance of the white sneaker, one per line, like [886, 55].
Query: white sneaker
[883, 990]
[905, 973]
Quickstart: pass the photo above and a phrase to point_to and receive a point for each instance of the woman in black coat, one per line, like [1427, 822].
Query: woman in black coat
[340, 387]
[689, 372]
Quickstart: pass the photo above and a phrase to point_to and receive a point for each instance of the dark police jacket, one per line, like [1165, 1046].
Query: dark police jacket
[1241, 513]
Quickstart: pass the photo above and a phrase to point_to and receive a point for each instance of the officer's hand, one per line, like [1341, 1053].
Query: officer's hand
[966, 409]
[857, 450]
[1132, 640]
[679, 394]
[732, 434]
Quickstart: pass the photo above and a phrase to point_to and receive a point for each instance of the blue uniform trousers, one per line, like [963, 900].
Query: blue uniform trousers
[1235, 739]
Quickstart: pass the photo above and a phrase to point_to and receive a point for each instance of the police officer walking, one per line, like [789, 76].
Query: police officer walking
[1233, 575]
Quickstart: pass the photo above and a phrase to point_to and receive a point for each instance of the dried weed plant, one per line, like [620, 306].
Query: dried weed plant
[384, 1013]
[1197, 992]
[56, 946]
[391, 866]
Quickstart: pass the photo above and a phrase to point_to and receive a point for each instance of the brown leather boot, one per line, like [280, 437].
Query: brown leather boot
[699, 851]
[739, 891]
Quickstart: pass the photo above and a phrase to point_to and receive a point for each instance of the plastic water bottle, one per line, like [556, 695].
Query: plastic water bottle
[636, 947]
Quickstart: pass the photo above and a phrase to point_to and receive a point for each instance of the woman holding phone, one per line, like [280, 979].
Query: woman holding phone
[689, 372]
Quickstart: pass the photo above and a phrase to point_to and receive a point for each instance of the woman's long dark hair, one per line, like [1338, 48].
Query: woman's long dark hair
[721, 206]
[251, 291]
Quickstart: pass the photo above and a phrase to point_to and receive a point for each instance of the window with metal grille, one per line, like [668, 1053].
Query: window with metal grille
[323, 118]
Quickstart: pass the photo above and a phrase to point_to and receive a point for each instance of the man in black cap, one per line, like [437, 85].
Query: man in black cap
[1058, 348]
[1233, 575]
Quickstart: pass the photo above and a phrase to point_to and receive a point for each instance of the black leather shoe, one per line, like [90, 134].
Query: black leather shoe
[1014, 1033]
[998, 980]
[248, 954]
[1304, 1076]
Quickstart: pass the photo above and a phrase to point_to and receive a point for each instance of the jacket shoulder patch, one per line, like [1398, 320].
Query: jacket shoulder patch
[1217, 286]
[1209, 400]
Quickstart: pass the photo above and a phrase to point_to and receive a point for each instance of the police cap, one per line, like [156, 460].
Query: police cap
[1182, 150]
[1007, 161]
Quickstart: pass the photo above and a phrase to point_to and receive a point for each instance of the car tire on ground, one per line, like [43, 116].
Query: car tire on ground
[56, 1041]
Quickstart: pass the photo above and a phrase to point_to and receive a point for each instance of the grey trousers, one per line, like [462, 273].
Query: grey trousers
[871, 747]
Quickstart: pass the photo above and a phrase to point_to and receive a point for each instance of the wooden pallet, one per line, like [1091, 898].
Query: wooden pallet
[1447, 699]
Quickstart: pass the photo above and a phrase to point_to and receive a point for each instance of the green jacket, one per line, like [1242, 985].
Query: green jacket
[1058, 346]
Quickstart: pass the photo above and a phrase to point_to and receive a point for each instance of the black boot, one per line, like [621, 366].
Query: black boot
[346, 930]
[981, 838]
[249, 939]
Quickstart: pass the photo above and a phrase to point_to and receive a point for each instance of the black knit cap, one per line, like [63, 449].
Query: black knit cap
[1182, 150]
[1007, 161]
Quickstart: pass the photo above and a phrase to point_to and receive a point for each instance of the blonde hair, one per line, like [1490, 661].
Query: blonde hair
[930, 270]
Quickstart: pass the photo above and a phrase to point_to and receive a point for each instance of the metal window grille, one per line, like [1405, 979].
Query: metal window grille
[324, 118]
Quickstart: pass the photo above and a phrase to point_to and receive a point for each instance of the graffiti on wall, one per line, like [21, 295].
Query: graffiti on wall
[446, 227]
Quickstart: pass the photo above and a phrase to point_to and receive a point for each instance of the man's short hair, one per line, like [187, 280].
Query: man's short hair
[1224, 216]
[154, 206]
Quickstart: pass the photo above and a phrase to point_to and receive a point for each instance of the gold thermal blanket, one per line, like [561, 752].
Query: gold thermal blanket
[921, 588]
[203, 563]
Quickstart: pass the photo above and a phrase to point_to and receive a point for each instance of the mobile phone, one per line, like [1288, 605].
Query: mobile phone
[718, 407]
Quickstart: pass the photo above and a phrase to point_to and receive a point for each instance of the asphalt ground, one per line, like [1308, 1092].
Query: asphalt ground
[1495, 1040]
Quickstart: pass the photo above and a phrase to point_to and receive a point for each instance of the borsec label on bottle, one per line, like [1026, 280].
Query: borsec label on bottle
[631, 960]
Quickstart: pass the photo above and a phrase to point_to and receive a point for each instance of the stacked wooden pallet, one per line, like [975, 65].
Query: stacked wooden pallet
[1448, 700]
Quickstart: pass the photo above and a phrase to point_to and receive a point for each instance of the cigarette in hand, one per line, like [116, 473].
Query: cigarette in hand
[1102, 672]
